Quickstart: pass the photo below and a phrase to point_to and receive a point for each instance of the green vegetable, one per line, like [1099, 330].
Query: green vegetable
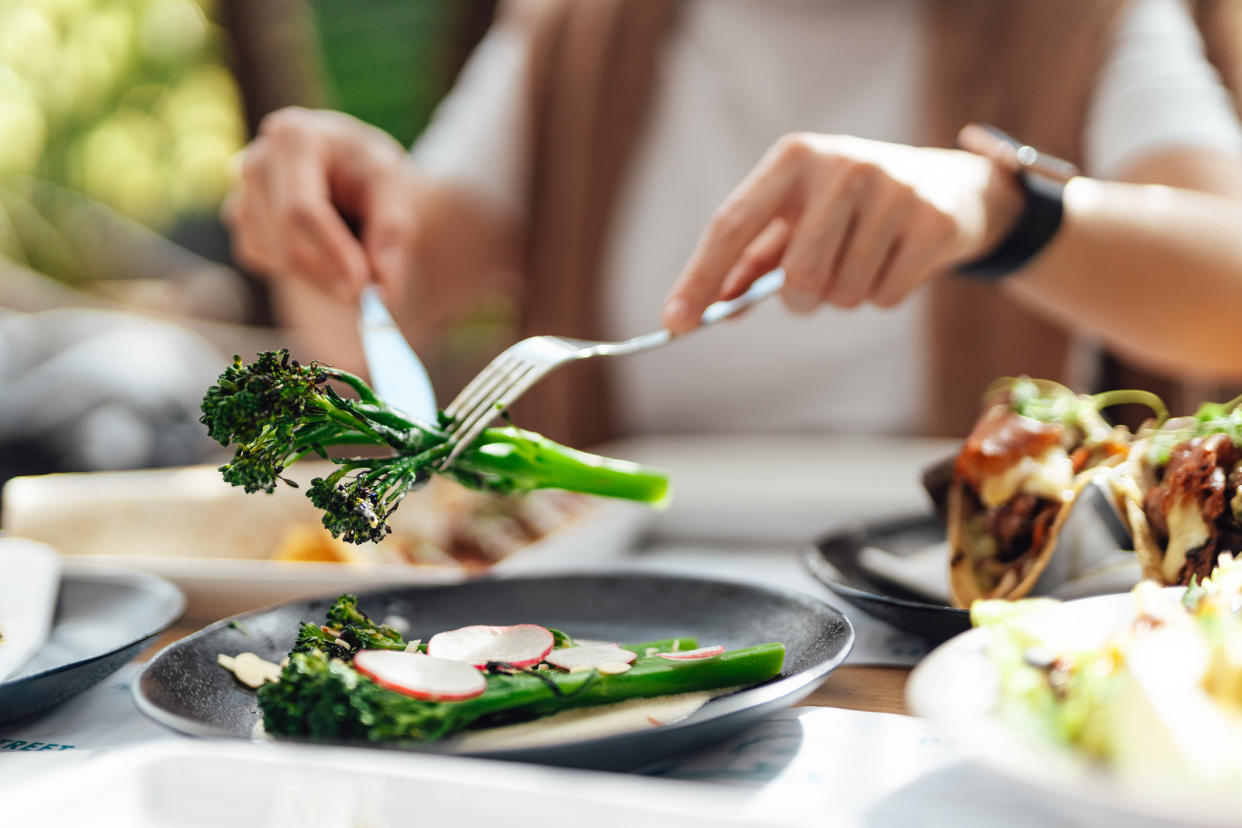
[358, 630]
[313, 638]
[1211, 418]
[1051, 402]
[323, 698]
[277, 411]
[351, 630]
[998, 611]
[1047, 692]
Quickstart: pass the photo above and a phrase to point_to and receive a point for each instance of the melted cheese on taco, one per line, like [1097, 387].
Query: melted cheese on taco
[1051, 476]
[1187, 530]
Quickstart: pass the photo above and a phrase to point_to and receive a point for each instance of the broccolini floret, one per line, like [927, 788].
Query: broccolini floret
[359, 630]
[275, 411]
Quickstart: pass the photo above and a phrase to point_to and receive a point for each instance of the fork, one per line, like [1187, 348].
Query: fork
[524, 363]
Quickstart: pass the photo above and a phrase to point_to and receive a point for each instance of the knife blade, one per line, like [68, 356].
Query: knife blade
[397, 375]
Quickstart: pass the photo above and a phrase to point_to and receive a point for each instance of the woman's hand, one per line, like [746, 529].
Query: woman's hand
[850, 221]
[304, 171]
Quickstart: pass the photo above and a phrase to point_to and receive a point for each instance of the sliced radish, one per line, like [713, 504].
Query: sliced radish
[690, 655]
[421, 676]
[591, 657]
[522, 645]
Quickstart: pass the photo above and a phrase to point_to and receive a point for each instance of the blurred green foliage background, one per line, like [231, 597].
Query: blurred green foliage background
[128, 102]
[391, 64]
[139, 106]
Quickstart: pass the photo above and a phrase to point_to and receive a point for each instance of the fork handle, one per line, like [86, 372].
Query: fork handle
[761, 288]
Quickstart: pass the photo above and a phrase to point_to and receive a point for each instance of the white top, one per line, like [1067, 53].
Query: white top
[737, 74]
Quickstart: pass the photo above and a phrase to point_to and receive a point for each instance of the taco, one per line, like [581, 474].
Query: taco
[1182, 494]
[1035, 447]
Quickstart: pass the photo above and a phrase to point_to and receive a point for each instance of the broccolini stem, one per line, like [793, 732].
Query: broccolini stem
[510, 459]
[348, 419]
[519, 696]
[364, 391]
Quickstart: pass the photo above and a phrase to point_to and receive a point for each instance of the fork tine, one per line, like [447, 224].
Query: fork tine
[484, 377]
[483, 415]
[483, 401]
[488, 408]
[483, 386]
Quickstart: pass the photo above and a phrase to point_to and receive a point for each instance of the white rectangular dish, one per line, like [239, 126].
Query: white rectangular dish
[201, 784]
[230, 551]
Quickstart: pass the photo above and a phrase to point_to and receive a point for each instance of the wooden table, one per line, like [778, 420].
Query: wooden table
[877, 689]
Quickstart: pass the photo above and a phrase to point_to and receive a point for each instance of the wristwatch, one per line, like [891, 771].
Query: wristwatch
[1043, 178]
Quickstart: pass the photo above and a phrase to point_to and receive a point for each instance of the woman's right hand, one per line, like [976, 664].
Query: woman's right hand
[301, 175]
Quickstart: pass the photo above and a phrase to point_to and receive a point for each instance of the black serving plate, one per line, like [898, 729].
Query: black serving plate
[184, 688]
[833, 560]
[104, 617]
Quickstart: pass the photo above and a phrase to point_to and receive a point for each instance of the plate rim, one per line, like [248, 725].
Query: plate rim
[814, 560]
[793, 687]
[109, 574]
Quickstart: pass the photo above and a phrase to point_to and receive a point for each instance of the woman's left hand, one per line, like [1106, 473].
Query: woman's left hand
[850, 220]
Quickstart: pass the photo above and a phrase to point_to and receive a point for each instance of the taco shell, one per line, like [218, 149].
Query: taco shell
[972, 550]
[1130, 483]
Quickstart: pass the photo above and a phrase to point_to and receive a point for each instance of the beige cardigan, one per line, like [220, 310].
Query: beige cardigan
[1025, 65]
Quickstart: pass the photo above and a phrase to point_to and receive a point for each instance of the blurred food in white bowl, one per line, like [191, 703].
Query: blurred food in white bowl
[231, 551]
[1128, 704]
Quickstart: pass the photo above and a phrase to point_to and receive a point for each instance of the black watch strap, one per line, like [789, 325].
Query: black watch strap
[1043, 178]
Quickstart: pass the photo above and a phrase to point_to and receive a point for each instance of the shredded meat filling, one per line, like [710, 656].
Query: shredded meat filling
[1202, 470]
[1021, 526]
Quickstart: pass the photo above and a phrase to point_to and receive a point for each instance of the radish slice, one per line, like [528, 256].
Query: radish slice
[591, 657]
[690, 655]
[522, 645]
[421, 676]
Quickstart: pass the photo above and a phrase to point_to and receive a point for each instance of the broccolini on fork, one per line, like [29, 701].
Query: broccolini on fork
[276, 411]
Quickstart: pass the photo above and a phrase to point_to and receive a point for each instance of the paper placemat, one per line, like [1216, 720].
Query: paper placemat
[102, 718]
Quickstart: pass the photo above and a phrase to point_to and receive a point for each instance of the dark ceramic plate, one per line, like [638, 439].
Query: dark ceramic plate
[184, 688]
[104, 617]
[833, 560]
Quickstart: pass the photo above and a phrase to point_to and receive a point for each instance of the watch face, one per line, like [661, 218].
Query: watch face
[1028, 159]
[1048, 166]
[1027, 155]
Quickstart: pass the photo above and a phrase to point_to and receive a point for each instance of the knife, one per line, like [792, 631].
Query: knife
[397, 375]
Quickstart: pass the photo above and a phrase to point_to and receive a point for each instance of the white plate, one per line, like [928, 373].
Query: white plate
[214, 541]
[29, 579]
[104, 617]
[201, 784]
[956, 688]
